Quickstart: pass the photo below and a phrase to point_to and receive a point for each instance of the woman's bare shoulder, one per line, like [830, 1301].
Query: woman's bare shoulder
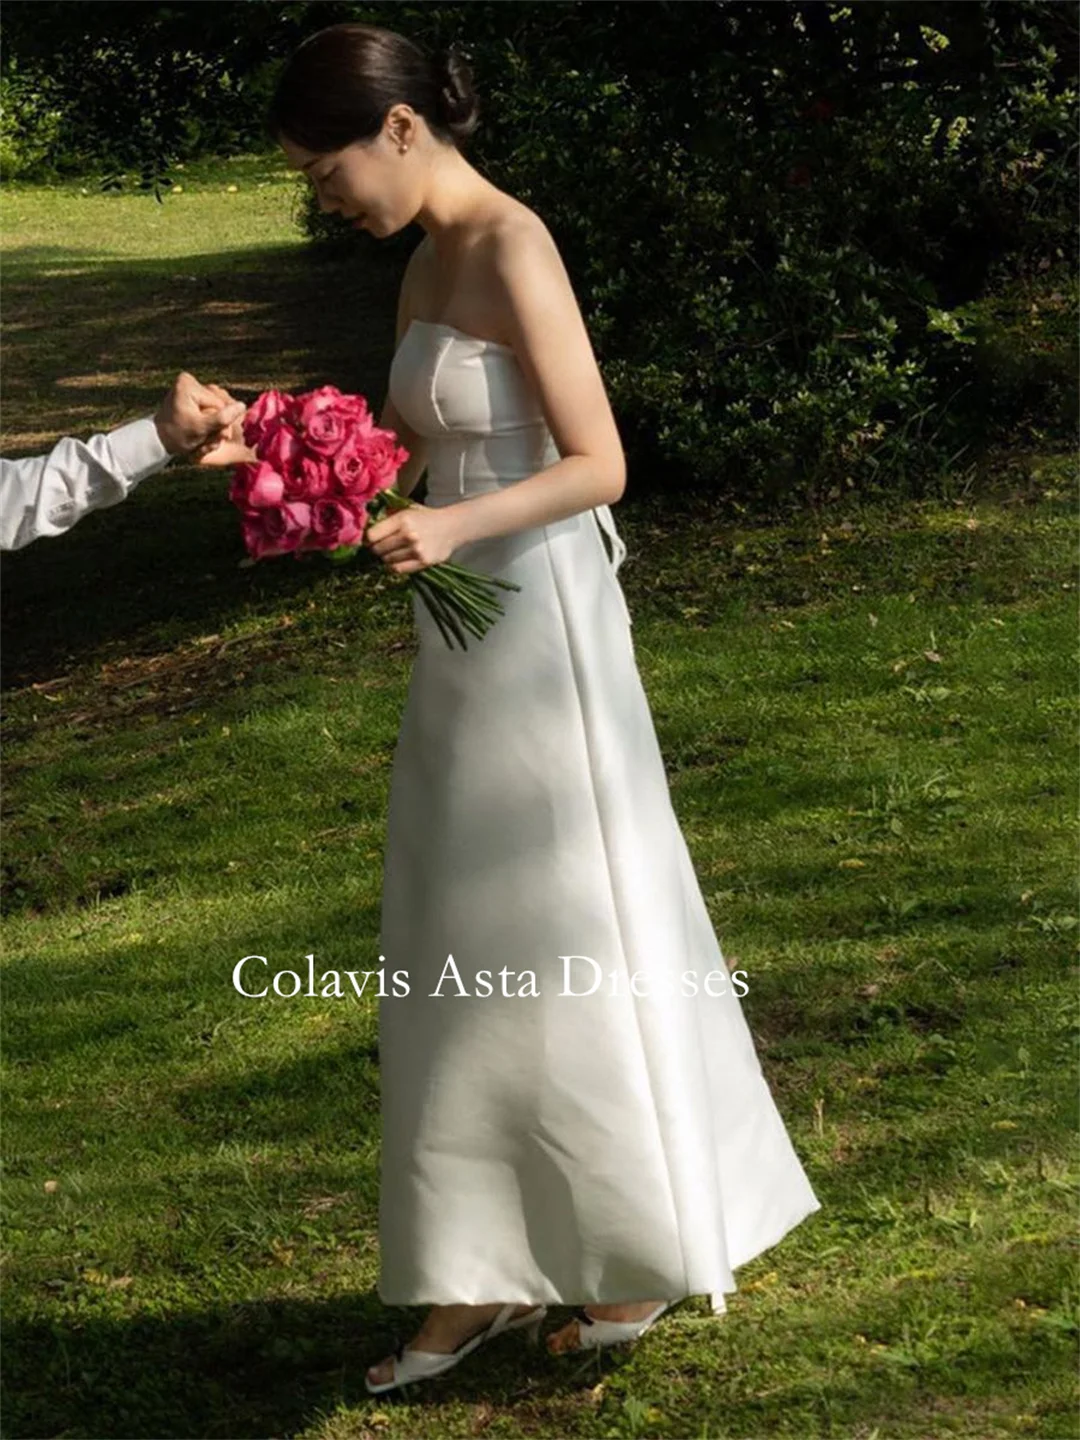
[420, 259]
[513, 220]
[504, 219]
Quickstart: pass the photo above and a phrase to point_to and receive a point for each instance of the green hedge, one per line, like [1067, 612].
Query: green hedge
[819, 248]
[813, 257]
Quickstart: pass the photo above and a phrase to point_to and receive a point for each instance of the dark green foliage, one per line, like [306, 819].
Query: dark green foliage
[819, 248]
[800, 233]
[140, 85]
[770, 238]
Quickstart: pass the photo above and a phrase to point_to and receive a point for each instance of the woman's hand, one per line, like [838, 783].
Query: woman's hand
[228, 450]
[412, 539]
[227, 447]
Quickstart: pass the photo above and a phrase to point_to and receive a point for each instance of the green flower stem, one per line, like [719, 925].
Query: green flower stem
[478, 587]
[458, 599]
[474, 598]
[475, 625]
[434, 613]
[432, 598]
[451, 606]
[488, 605]
[448, 584]
[451, 621]
[472, 574]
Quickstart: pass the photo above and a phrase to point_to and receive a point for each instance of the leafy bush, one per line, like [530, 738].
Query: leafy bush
[786, 226]
[31, 116]
[141, 86]
[1024, 354]
[799, 233]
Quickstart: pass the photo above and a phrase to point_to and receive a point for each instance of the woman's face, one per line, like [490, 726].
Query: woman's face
[361, 181]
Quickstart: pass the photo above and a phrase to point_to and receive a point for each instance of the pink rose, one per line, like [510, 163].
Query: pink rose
[352, 471]
[337, 522]
[366, 465]
[256, 486]
[313, 479]
[327, 418]
[276, 530]
[280, 447]
[270, 406]
[321, 458]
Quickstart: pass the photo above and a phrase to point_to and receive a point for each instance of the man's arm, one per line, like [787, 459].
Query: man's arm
[47, 494]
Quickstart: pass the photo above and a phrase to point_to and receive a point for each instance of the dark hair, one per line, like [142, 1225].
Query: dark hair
[338, 85]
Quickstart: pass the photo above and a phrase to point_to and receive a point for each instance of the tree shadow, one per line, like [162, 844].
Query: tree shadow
[116, 333]
[254, 1368]
[274, 1366]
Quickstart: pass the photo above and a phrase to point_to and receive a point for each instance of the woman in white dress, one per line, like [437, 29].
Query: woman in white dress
[573, 1110]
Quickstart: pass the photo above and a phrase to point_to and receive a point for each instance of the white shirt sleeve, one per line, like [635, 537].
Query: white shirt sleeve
[46, 494]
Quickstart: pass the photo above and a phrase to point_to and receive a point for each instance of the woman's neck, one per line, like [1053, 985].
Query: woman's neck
[457, 194]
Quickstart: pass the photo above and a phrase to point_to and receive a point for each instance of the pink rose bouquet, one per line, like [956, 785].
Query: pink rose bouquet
[324, 471]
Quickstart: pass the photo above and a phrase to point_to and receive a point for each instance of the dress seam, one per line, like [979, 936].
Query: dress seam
[611, 562]
[440, 357]
[615, 910]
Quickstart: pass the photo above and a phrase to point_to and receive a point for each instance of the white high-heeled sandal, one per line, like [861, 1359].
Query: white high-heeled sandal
[596, 1334]
[413, 1365]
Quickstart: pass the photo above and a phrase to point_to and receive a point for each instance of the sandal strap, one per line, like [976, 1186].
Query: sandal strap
[596, 1333]
[494, 1327]
[411, 1364]
[485, 1332]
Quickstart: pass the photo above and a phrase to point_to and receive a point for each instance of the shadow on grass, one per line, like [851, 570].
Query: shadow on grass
[273, 1367]
[253, 1369]
[115, 334]
[246, 1369]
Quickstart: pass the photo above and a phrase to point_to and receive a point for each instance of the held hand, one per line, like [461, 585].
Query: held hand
[413, 539]
[229, 449]
[226, 448]
[193, 415]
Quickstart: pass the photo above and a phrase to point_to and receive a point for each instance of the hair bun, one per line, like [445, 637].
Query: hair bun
[452, 62]
[457, 98]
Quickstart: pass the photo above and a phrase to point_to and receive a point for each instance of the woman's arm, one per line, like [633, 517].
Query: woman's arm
[552, 346]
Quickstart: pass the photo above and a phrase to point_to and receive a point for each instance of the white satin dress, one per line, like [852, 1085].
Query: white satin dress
[565, 1148]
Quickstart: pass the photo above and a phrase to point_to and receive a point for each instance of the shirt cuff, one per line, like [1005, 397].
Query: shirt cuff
[138, 450]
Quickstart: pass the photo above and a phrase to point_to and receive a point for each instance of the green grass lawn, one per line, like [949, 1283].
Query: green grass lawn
[869, 728]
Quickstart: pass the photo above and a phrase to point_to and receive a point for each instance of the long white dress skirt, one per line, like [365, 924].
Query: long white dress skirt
[540, 1145]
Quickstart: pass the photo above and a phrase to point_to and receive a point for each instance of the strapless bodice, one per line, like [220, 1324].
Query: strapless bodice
[482, 420]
